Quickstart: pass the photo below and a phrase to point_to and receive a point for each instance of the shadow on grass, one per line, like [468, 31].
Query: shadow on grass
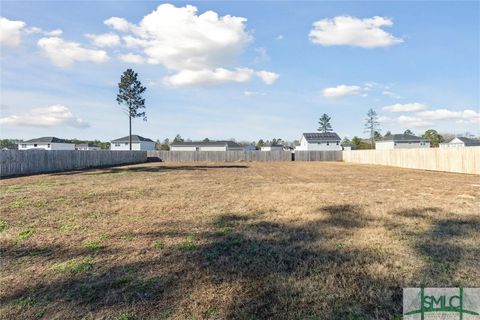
[272, 270]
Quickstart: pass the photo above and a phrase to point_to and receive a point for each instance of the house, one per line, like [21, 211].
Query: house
[347, 147]
[139, 143]
[401, 141]
[86, 146]
[272, 147]
[221, 145]
[319, 141]
[46, 143]
[460, 142]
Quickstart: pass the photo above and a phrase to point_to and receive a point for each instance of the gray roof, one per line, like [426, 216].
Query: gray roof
[219, 143]
[135, 139]
[467, 141]
[45, 140]
[321, 136]
[403, 137]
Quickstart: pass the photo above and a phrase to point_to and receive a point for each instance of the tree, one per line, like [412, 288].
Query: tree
[357, 142]
[130, 92]
[377, 136]
[372, 125]
[408, 131]
[206, 140]
[260, 143]
[324, 124]
[388, 134]
[346, 141]
[178, 138]
[433, 136]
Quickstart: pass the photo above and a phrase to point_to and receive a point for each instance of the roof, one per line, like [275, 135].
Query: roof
[135, 138]
[321, 136]
[402, 137]
[467, 141]
[45, 140]
[219, 143]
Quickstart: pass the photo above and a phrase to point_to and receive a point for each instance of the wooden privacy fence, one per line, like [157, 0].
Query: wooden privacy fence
[461, 160]
[220, 156]
[23, 162]
[318, 155]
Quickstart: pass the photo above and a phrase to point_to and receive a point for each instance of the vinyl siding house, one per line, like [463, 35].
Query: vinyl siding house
[319, 141]
[46, 143]
[139, 143]
[460, 142]
[206, 146]
[272, 147]
[86, 147]
[401, 141]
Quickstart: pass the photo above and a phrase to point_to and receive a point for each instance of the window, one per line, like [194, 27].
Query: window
[337, 143]
[35, 145]
[328, 143]
[126, 143]
[117, 144]
[24, 145]
[48, 145]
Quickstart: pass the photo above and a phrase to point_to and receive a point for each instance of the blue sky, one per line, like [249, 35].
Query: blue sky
[263, 71]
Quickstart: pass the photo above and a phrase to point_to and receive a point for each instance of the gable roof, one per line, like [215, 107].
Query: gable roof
[467, 141]
[313, 137]
[219, 143]
[135, 139]
[45, 140]
[402, 137]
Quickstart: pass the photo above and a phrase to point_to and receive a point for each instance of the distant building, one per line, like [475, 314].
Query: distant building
[139, 143]
[221, 145]
[86, 146]
[347, 147]
[319, 141]
[401, 141]
[272, 147]
[460, 142]
[46, 143]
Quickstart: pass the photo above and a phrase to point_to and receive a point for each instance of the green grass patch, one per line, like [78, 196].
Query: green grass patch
[68, 227]
[224, 231]
[126, 316]
[25, 234]
[3, 225]
[158, 245]
[93, 245]
[165, 314]
[187, 245]
[74, 265]
[25, 302]
[104, 236]
[25, 203]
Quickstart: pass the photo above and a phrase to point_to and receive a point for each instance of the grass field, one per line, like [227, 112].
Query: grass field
[287, 240]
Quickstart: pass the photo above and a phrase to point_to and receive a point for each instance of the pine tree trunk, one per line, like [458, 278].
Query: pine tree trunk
[130, 132]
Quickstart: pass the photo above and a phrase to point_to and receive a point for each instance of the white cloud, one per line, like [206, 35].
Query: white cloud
[132, 58]
[209, 77]
[341, 91]
[279, 37]
[413, 122]
[63, 54]
[119, 24]
[11, 32]
[104, 40]
[467, 115]
[391, 94]
[253, 93]
[52, 116]
[351, 31]
[262, 55]
[201, 49]
[406, 107]
[267, 76]
[53, 33]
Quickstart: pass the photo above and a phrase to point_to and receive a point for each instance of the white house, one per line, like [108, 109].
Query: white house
[221, 145]
[272, 147]
[401, 141]
[319, 141]
[460, 142]
[86, 147]
[46, 143]
[139, 143]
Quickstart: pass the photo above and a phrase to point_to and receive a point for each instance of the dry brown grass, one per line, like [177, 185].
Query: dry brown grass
[245, 241]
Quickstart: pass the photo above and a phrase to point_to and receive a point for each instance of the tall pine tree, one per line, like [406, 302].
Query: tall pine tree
[130, 92]
[324, 124]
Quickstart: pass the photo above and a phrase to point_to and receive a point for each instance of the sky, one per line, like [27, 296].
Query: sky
[243, 70]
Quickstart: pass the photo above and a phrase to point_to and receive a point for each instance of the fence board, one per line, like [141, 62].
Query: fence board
[461, 160]
[23, 162]
[220, 156]
[318, 155]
